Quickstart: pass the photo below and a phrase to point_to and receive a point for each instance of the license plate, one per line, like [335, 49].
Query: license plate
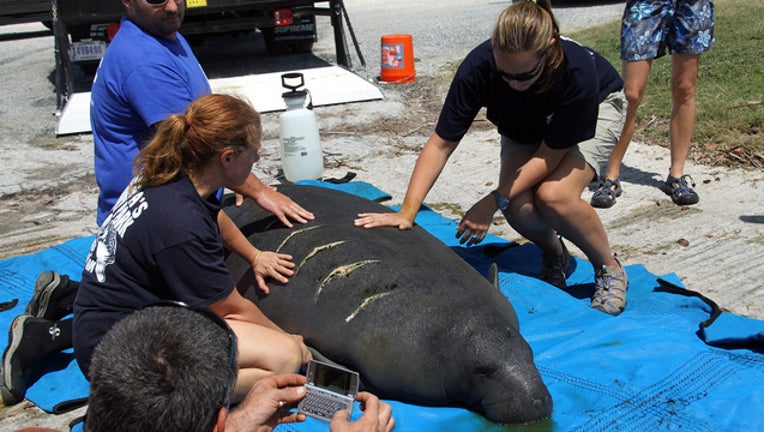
[87, 50]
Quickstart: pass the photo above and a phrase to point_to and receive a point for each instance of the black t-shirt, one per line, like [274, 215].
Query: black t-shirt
[160, 243]
[562, 117]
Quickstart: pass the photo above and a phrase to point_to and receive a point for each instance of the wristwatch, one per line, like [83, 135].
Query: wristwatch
[501, 200]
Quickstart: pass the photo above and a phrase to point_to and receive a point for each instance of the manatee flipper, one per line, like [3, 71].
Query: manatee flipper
[493, 275]
[493, 278]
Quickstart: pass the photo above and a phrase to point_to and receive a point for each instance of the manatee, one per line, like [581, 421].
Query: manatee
[412, 317]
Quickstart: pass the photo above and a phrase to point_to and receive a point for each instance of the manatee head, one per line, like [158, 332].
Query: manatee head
[504, 383]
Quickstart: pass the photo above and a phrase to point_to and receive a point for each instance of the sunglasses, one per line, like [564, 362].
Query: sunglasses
[215, 318]
[158, 3]
[525, 76]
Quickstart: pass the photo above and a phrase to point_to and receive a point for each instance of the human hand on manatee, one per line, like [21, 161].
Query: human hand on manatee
[279, 205]
[377, 416]
[373, 220]
[271, 264]
[475, 223]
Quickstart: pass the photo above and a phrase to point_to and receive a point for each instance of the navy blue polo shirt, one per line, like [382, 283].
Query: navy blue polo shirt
[562, 117]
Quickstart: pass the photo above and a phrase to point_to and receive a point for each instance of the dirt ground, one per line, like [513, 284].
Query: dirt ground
[48, 192]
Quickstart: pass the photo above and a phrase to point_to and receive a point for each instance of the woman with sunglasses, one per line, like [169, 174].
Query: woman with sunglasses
[558, 107]
[165, 238]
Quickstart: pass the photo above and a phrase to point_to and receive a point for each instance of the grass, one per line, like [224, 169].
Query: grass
[730, 116]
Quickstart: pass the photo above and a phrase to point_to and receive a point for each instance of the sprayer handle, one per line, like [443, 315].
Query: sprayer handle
[292, 76]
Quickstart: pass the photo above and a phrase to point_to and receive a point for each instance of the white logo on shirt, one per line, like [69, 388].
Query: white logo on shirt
[128, 208]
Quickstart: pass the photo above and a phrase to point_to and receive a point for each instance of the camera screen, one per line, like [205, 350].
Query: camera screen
[331, 378]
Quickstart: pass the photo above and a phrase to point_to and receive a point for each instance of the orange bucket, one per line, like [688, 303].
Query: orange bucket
[397, 59]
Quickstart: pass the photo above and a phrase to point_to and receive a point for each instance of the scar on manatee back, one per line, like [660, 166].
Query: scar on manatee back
[337, 271]
[317, 250]
[343, 270]
[294, 233]
[367, 301]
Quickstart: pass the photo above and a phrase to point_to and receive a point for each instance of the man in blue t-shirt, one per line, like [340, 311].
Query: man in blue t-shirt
[148, 73]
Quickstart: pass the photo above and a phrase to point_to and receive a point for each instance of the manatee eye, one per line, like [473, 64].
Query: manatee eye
[485, 371]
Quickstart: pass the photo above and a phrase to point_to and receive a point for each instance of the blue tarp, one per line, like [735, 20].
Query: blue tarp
[660, 365]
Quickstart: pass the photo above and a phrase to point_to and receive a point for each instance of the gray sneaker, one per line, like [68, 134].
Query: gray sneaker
[610, 284]
[556, 268]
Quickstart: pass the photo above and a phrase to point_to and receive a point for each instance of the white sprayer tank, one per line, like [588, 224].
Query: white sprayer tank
[301, 154]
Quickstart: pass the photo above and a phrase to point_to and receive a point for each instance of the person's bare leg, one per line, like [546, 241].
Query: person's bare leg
[684, 81]
[522, 214]
[262, 352]
[635, 74]
[559, 201]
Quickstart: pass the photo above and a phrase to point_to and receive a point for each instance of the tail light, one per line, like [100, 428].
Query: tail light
[112, 30]
[283, 17]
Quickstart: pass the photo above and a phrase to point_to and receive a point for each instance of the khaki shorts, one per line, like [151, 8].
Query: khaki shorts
[595, 151]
